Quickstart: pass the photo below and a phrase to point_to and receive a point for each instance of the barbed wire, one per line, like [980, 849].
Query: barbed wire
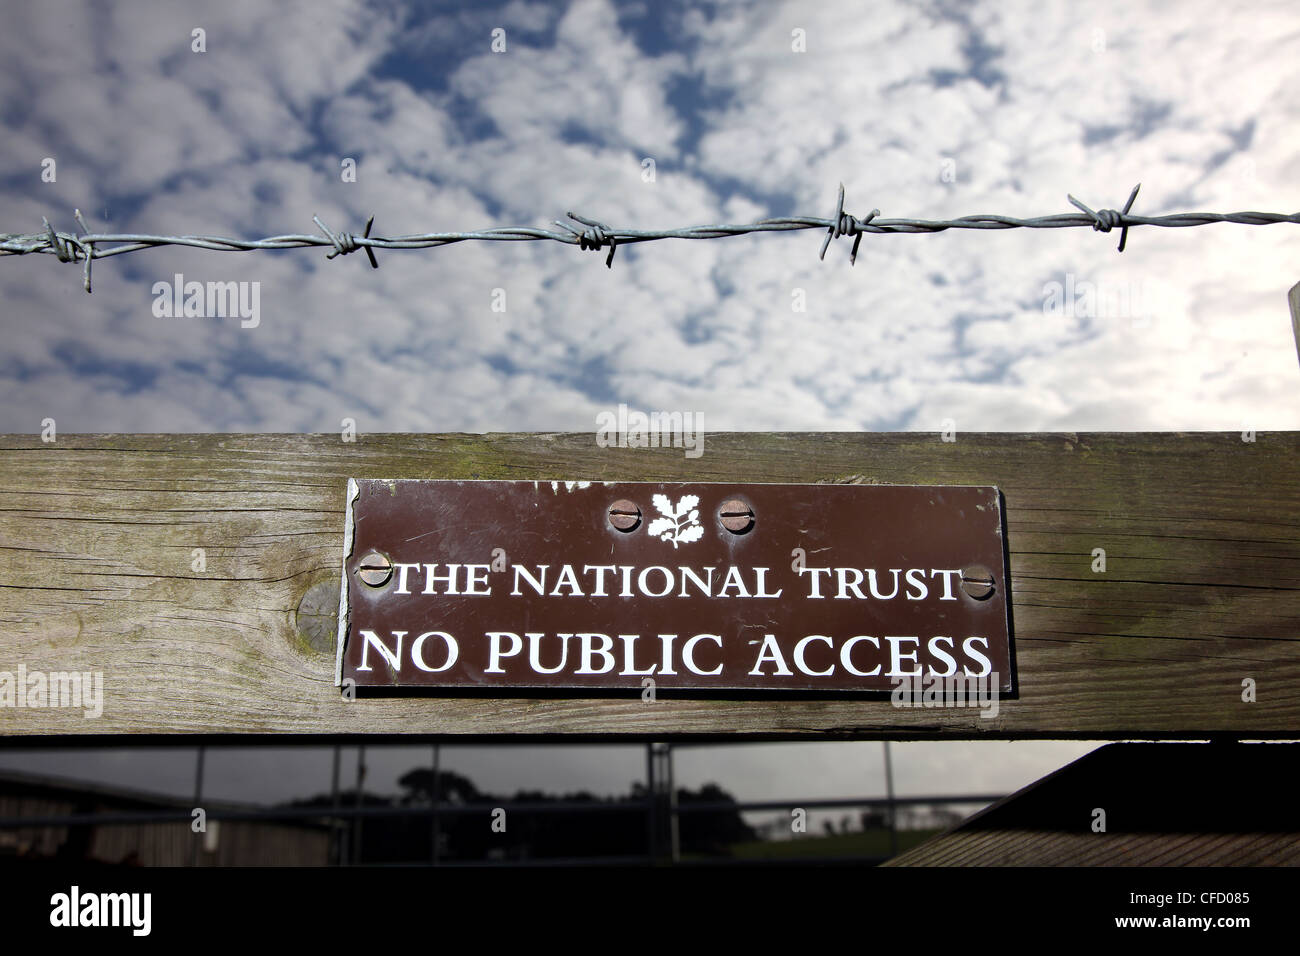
[86, 247]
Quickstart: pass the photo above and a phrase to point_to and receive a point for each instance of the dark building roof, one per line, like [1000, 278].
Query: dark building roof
[1165, 804]
[14, 783]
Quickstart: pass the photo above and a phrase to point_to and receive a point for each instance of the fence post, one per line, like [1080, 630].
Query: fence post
[1294, 298]
[437, 754]
[652, 843]
[355, 855]
[198, 798]
[336, 830]
[674, 832]
[889, 793]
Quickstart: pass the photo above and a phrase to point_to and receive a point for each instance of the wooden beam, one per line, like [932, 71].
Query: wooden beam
[1201, 589]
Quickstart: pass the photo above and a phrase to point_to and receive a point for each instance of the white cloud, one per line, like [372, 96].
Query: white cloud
[593, 80]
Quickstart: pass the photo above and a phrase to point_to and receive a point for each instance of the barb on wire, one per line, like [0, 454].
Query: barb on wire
[1108, 219]
[593, 237]
[88, 246]
[345, 242]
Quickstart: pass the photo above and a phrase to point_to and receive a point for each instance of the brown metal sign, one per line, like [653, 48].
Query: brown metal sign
[689, 587]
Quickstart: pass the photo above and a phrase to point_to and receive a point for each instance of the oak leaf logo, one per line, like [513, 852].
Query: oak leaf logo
[680, 525]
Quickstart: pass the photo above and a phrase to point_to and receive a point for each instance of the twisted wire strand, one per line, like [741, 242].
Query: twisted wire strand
[595, 235]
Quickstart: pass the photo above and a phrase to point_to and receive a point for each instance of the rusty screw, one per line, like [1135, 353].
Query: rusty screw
[977, 581]
[624, 515]
[737, 517]
[375, 569]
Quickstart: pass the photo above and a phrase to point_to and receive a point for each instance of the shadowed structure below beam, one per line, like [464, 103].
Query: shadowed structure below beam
[1166, 804]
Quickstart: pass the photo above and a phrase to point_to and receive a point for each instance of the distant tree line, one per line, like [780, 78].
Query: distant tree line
[594, 831]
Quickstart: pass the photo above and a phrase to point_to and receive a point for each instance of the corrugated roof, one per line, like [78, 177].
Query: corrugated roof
[1164, 804]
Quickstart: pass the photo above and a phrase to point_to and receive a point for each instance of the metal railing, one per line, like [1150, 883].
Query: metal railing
[660, 806]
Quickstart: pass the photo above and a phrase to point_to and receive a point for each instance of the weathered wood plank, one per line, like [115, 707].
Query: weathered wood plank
[1201, 588]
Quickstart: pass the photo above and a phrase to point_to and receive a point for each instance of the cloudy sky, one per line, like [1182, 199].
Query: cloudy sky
[747, 110]
[921, 109]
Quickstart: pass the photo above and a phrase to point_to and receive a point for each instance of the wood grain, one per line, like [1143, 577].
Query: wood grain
[1201, 588]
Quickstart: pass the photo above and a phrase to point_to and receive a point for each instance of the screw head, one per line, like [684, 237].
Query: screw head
[736, 516]
[624, 515]
[375, 569]
[977, 581]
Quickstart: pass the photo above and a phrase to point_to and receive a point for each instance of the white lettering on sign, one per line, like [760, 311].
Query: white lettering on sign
[863, 584]
[632, 655]
[655, 581]
[847, 583]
